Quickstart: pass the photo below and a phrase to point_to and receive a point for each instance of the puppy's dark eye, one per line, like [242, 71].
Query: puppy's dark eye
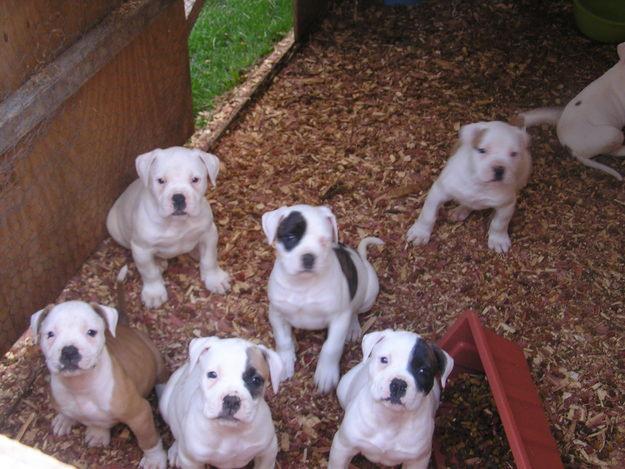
[482, 150]
[211, 375]
[257, 380]
[92, 332]
[513, 154]
[384, 360]
[160, 181]
[50, 334]
[195, 179]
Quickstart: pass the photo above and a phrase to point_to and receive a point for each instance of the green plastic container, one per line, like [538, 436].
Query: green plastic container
[601, 20]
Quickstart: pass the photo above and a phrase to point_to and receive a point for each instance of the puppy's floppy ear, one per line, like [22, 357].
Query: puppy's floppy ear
[620, 49]
[275, 366]
[197, 347]
[36, 319]
[445, 363]
[212, 165]
[327, 212]
[143, 163]
[270, 222]
[471, 134]
[108, 314]
[370, 340]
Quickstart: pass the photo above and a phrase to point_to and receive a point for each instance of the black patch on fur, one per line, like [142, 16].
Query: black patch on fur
[578, 103]
[421, 366]
[291, 230]
[253, 382]
[348, 268]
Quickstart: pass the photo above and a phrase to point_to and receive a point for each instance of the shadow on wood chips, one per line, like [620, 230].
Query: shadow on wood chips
[365, 116]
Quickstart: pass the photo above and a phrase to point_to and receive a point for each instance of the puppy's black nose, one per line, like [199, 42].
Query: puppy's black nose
[398, 389]
[231, 404]
[70, 355]
[499, 172]
[179, 201]
[308, 261]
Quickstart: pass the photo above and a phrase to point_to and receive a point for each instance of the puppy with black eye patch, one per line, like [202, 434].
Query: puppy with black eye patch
[316, 283]
[390, 400]
[215, 408]
[491, 163]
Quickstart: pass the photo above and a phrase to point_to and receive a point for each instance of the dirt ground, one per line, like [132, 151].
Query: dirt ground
[362, 119]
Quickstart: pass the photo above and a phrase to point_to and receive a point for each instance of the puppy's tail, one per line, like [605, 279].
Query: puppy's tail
[121, 295]
[362, 246]
[542, 115]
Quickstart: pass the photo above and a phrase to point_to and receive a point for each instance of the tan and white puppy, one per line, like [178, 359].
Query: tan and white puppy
[101, 372]
[390, 400]
[164, 214]
[592, 122]
[316, 283]
[490, 165]
[215, 408]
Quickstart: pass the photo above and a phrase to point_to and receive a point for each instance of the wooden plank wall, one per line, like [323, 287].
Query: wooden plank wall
[58, 183]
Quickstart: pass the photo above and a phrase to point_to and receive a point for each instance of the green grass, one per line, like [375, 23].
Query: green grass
[228, 37]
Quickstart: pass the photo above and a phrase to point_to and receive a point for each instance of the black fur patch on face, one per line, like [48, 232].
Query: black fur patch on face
[423, 366]
[348, 268]
[291, 230]
[253, 382]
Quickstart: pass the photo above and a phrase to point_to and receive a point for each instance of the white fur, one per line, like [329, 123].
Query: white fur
[191, 403]
[144, 218]
[319, 298]
[468, 179]
[594, 126]
[385, 433]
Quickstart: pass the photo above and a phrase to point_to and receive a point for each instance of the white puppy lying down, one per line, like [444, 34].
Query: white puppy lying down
[98, 377]
[390, 400]
[164, 214]
[215, 408]
[489, 167]
[316, 283]
[592, 122]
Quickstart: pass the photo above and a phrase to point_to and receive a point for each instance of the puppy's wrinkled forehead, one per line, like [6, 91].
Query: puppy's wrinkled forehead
[177, 163]
[292, 229]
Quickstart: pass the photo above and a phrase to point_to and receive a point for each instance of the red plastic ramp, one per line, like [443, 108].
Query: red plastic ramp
[479, 350]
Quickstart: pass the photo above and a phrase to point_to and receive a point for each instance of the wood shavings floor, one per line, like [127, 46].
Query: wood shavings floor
[370, 107]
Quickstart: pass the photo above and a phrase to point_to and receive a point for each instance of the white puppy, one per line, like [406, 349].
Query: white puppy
[164, 214]
[490, 165]
[390, 400]
[592, 122]
[316, 283]
[215, 408]
[98, 377]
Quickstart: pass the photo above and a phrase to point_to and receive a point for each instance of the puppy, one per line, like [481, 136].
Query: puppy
[591, 123]
[489, 167]
[215, 408]
[164, 214]
[101, 372]
[316, 283]
[390, 400]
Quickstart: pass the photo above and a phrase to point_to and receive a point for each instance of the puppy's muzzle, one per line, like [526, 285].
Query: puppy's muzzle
[308, 261]
[230, 406]
[70, 357]
[397, 390]
[180, 204]
[498, 173]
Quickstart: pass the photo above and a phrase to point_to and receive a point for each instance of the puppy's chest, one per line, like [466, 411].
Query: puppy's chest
[89, 407]
[173, 242]
[482, 198]
[306, 310]
[227, 452]
[390, 447]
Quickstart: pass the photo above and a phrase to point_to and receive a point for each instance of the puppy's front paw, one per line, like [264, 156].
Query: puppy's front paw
[460, 213]
[288, 360]
[153, 294]
[154, 458]
[499, 242]
[418, 234]
[326, 378]
[217, 281]
[96, 436]
[62, 425]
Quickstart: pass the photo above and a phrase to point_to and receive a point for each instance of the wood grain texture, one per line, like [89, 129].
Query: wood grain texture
[57, 185]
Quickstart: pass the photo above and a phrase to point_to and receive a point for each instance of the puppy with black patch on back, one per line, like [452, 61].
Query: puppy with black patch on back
[215, 408]
[491, 163]
[316, 283]
[390, 400]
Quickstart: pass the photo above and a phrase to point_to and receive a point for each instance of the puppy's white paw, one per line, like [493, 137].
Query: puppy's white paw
[96, 436]
[326, 377]
[418, 234]
[154, 458]
[288, 360]
[217, 281]
[153, 294]
[172, 455]
[354, 331]
[499, 242]
[460, 213]
[62, 425]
